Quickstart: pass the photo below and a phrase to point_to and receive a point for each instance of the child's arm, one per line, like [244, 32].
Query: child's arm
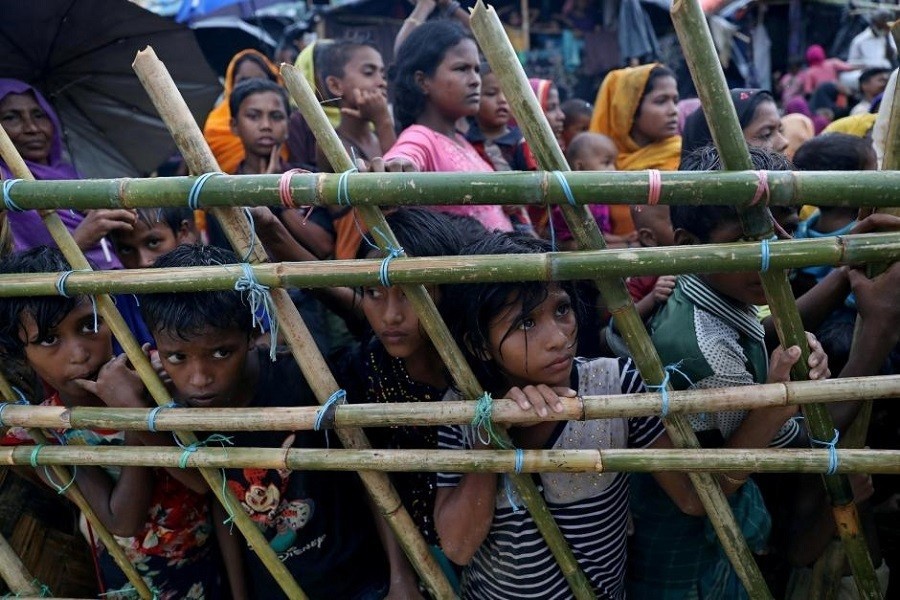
[463, 514]
[663, 288]
[404, 581]
[231, 551]
[119, 386]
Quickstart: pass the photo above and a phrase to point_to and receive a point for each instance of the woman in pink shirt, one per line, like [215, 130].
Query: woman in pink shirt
[821, 69]
[436, 83]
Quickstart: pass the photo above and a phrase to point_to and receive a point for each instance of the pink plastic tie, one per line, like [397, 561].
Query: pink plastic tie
[655, 187]
[762, 188]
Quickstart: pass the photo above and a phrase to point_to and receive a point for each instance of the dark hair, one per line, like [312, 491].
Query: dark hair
[873, 72]
[248, 87]
[834, 152]
[172, 216]
[423, 51]
[47, 311]
[576, 107]
[187, 314]
[422, 232]
[696, 132]
[703, 220]
[657, 72]
[469, 308]
[332, 58]
[259, 63]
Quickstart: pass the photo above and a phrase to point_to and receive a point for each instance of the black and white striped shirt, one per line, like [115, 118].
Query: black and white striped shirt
[514, 562]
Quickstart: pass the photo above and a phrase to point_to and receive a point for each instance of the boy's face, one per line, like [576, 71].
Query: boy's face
[599, 156]
[207, 370]
[261, 123]
[493, 111]
[364, 71]
[71, 350]
[744, 287]
[138, 248]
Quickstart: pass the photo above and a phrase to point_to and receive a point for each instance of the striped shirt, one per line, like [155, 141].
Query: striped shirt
[590, 509]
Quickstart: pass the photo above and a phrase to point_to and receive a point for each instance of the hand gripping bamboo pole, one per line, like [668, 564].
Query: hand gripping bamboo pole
[499, 53]
[696, 41]
[172, 108]
[434, 326]
[105, 306]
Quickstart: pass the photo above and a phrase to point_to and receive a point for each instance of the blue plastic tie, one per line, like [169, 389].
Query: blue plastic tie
[663, 387]
[61, 489]
[61, 290]
[564, 184]
[510, 496]
[520, 460]
[22, 401]
[216, 438]
[260, 299]
[193, 201]
[7, 199]
[383, 275]
[250, 246]
[832, 451]
[481, 421]
[764, 258]
[343, 187]
[33, 459]
[338, 397]
[151, 418]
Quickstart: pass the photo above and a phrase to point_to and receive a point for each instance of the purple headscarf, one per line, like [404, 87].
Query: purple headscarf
[27, 228]
[56, 169]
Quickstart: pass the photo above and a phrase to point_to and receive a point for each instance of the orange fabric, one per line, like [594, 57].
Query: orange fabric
[225, 146]
[347, 236]
[617, 102]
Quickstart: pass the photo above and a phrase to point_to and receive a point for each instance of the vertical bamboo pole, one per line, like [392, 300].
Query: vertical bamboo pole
[437, 330]
[172, 108]
[693, 32]
[514, 83]
[106, 307]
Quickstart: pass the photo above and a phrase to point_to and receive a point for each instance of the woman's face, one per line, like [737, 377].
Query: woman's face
[658, 113]
[249, 69]
[28, 126]
[454, 90]
[764, 130]
[555, 116]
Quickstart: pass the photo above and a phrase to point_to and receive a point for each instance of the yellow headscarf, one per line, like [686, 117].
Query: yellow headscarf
[858, 125]
[306, 64]
[617, 102]
[225, 146]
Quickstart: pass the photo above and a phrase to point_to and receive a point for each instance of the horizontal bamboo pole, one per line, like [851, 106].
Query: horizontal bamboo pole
[506, 411]
[554, 266]
[470, 461]
[736, 188]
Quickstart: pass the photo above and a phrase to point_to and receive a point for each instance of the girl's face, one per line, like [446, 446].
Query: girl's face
[493, 112]
[71, 350]
[455, 88]
[364, 71]
[538, 347]
[28, 126]
[555, 116]
[394, 321]
[249, 69]
[658, 114]
[765, 128]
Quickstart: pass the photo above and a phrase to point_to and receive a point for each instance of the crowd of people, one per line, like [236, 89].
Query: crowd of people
[644, 536]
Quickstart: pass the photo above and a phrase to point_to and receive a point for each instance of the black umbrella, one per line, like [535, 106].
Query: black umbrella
[79, 54]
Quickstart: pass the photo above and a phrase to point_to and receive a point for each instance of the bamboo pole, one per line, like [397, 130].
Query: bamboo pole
[178, 119]
[505, 411]
[696, 40]
[788, 188]
[558, 266]
[434, 326]
[111, 315]
[16, 576]
[496, 48]
[613, 460]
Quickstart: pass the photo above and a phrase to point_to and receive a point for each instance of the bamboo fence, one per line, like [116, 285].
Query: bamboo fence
[370, 191]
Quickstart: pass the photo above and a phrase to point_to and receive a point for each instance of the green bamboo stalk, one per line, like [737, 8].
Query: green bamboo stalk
[505, 411]
[674, 260]
[613, 460]
[434, 326]
[199, 158]
[696, 41]
[105, 306]
[825, 188]
[496, 47]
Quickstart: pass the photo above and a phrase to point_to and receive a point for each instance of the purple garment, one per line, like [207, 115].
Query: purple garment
[27, 228]
[600, 213]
